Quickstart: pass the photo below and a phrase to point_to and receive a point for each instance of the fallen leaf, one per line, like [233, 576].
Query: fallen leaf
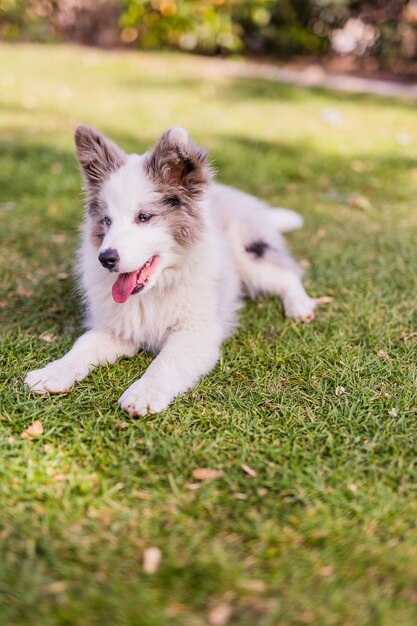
[151, 559]
[177, 608]
[192, 486]
[206, 473]
[326, 571]
[393, 412]
[248, 470]
[62, 276]
[339, 391]
[324, 299]
[240, 496]
[384, 355]
[359, 202]
[3, 304]
[353, 488]
[305, 263]
[48, 337]
[34, 430]
[25, 293]
[219, 615]
[405, 336]
[59, 586]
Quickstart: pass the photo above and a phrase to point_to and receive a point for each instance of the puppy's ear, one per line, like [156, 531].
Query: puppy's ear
[177, 163]
[98, 156]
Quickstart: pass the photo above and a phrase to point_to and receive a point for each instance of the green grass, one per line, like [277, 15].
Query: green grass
[326, 532]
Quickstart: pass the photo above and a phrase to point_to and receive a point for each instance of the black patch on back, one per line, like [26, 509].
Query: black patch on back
[257, 248]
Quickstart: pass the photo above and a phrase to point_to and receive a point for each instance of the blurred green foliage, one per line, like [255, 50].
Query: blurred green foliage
[384, 30]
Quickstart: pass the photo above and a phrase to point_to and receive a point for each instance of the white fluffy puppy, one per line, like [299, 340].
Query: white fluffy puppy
[165, 258]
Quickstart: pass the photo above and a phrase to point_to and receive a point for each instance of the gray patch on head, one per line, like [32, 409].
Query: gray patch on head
[96, 210]
[181, 173]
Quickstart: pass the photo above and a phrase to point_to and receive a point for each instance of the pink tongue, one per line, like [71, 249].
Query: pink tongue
[124, 286]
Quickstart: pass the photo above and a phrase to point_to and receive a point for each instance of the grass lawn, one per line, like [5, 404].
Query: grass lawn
[325, 532]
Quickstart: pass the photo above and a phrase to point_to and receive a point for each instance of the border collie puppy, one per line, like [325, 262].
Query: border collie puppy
[165, 259]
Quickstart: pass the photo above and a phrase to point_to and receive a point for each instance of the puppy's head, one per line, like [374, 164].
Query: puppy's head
[142, 210]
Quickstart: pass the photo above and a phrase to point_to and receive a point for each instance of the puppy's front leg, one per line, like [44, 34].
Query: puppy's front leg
[185, 357]
[91, 349]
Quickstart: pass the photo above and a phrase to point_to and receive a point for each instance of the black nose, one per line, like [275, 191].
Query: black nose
[109, 258]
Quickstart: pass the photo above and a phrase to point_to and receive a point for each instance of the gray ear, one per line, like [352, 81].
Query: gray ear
[177, 164]
[98, 156]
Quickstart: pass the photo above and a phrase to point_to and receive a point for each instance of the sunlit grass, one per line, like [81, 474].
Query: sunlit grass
[324, 533]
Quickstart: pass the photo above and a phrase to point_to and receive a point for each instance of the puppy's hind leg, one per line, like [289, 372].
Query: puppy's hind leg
[93, 348]
[268, 268]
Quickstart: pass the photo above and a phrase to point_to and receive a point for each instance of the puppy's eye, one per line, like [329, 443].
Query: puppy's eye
[144, 217]
[106, 220]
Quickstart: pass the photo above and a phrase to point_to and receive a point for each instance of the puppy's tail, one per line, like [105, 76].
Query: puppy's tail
[285, 220]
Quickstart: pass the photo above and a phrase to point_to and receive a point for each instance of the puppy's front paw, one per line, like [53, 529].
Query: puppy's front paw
[300, 308]
[143, 398]
[53, 378]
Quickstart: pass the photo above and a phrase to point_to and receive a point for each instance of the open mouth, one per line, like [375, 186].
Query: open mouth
[133, 282]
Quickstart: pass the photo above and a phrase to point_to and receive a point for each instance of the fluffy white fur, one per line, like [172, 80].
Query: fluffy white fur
[190, 304]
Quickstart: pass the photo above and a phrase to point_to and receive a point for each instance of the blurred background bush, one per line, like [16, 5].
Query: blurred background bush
[376, 33]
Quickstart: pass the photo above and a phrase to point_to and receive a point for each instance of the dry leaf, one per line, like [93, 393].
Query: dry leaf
[384, 355]
[25, 293]
[324, 299]
[34, 430]
[151, 560]
[353, 488]
[393, 412]
[59, 586]
[48, 337]
[248, 470]
[219, 615]
[339, 391]
[305, 263]
[3, 304]
[192, 486]
[62, 276]
[359, 202]
[326, 571]
[240, 496]
[405, 336]
[206, 473]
